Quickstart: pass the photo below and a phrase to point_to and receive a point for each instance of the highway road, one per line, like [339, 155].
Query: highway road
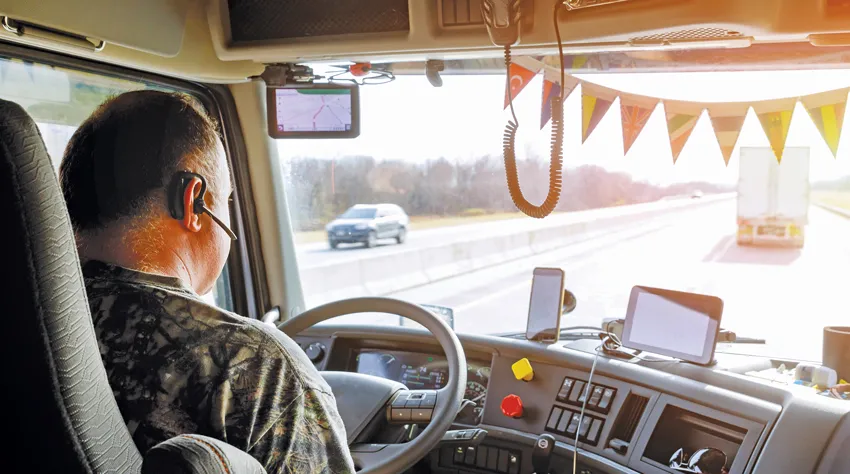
[783, 295]
[319, 253]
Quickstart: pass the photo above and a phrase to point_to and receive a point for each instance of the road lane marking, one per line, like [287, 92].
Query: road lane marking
[579, 262]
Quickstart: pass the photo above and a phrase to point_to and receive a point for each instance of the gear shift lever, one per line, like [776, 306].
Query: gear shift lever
[541, 455]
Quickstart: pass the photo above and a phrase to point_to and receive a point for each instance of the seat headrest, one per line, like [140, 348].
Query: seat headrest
[60, 412]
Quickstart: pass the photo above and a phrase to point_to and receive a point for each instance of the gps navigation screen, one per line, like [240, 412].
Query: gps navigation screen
[319, 112]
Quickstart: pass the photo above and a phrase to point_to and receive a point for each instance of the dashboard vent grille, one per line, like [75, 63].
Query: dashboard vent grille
[696, 34]
[627, 420]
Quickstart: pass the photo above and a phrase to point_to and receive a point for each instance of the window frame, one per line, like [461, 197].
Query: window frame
[245, 264]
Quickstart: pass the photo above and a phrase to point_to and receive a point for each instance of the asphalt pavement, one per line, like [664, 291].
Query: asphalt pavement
[319, 253]
[784, 295]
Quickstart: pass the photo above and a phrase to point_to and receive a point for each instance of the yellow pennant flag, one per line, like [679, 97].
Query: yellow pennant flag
[595, 101]
[727, 119]
[775, 118]
[682, 117]
[827, 112]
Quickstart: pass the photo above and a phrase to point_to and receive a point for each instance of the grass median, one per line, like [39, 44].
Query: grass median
[422, 223]
[840, 199]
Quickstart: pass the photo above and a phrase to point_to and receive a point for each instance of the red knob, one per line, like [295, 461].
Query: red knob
[512, 406]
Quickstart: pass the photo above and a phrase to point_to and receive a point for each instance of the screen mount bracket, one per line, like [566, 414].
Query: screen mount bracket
[282, 74]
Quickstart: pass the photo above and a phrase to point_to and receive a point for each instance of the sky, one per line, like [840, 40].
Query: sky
[409, 119]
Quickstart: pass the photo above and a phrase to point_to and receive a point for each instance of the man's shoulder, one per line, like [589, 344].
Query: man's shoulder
[199, 327]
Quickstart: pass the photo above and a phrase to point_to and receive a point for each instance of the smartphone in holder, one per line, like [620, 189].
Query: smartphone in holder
[544, 308]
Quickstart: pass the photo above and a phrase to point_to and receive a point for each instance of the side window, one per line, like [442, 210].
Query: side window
[59, 100]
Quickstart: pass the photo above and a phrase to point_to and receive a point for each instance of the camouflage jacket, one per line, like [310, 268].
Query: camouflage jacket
[178, 365]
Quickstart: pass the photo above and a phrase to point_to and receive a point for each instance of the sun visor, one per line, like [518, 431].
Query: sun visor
[153, 26]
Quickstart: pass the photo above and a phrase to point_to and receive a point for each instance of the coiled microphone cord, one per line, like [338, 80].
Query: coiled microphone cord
[556, 149]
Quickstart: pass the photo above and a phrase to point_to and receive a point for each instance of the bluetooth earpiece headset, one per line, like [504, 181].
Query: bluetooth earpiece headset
[177, 189]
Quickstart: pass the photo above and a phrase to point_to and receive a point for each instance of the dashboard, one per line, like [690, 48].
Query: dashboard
[420, 370]
[638, 415]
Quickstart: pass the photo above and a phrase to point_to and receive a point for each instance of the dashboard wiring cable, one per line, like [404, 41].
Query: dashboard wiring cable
[586, 395]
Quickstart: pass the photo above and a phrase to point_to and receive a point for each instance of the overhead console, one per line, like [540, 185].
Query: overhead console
[392, 30]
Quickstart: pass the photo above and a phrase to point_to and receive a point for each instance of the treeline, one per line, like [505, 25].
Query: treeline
[840, 184]
[321, 189]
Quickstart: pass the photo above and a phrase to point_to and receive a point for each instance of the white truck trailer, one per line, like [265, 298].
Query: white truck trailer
[773, 198]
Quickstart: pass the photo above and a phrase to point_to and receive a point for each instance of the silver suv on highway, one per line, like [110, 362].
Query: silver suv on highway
[366, 223]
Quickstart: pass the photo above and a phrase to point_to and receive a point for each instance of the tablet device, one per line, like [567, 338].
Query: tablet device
[673, 323]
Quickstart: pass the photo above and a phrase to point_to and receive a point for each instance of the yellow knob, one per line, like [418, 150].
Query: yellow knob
[522, 370]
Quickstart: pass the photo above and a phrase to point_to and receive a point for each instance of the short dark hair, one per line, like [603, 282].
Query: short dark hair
[128, 149]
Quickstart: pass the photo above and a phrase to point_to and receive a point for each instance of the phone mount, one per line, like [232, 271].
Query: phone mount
[570, 302]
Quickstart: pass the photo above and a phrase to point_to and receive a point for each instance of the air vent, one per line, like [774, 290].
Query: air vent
[627, 422]
[696, 34]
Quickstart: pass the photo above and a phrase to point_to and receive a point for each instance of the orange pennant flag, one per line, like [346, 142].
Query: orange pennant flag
[551, 88]
[682, 117]
[727, 121]
[827, 112]
[595, 101]
[520, 77]
[634, 113]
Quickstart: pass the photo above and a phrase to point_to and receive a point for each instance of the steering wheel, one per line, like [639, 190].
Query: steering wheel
[361, 399]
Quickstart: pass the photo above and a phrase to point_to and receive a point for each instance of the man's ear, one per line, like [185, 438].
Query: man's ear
[191, 221]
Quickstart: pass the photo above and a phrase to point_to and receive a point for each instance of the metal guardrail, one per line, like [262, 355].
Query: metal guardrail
[386, 273]
[835, 210]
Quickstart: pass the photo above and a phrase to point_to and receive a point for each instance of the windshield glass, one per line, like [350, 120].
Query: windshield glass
[623, 219]
[358, 213]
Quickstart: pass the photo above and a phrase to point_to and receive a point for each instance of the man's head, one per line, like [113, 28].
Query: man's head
[115, 177]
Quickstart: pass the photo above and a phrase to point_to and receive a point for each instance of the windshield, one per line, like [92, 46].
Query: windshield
[358, 213]
[623, 219]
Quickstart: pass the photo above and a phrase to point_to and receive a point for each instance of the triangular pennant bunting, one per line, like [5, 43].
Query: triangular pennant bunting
[520, 77]
[681, 120]
[775, 118]
[550, 90]
[727, 121]
[595, 102]
[827, 112]
[634, 112]
[826, 109]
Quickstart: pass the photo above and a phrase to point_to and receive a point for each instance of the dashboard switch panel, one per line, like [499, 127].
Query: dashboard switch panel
[484, 458]
[599, 397]
[512, 406]
[565, 422]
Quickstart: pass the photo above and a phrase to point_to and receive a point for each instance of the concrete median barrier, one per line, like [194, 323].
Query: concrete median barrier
[375, 275]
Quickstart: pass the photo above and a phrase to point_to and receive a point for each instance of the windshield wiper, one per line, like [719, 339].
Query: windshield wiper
[572, 333]
[743, 340]
[578, 333]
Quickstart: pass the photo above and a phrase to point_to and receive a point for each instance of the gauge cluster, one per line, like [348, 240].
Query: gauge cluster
[420, 371]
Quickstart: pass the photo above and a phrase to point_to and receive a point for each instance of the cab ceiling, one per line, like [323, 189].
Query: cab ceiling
[229, 40]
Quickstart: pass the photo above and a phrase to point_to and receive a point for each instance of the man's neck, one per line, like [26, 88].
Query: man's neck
[116, 247]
